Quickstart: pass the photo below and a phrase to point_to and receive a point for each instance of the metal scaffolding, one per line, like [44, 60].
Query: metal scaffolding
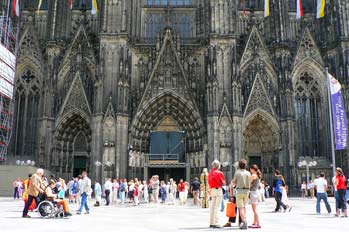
[7, 74]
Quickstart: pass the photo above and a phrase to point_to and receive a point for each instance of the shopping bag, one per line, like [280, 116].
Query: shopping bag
[231, 209]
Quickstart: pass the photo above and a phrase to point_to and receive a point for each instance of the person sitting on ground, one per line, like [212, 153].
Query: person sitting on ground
[51, 195]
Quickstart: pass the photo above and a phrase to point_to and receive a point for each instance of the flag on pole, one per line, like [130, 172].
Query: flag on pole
[266, 8]
[71, 4]
[300, 12]
[16, 7]
[320, 9]
[339, 114]
[39, 6]
[243, 7]
[94, 7]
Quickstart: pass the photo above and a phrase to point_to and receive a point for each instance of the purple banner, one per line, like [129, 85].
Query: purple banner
[340, 121]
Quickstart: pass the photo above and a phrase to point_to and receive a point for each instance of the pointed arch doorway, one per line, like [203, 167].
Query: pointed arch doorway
[261, 142]
[80, 153]
[167, 150]
[166, 113]
[72, 150]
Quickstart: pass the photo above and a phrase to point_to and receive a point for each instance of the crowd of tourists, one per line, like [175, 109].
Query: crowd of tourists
[246, 187]
[141, 192]
[80, 191]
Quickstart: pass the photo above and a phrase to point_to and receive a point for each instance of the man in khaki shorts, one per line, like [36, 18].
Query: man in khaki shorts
[242, 185]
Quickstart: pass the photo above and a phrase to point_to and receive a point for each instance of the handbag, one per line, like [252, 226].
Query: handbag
[231, 212]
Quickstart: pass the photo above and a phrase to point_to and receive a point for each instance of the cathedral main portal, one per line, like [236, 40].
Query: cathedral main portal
[166, 134]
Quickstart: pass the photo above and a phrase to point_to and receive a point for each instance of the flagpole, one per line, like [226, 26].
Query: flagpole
[331, 123]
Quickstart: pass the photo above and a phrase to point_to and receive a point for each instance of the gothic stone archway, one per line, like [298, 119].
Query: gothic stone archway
[261, 141]
[72, 145]
[156, 112]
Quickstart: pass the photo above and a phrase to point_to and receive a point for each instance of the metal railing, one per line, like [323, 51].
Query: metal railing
[164, 157]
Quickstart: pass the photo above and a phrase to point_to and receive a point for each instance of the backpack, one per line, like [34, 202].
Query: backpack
[122, 187]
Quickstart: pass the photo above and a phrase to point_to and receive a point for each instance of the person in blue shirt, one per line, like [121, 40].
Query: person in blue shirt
[278, 182]
[163, 191]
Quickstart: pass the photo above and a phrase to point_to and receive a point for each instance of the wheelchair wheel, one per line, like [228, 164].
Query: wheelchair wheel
[46, 209]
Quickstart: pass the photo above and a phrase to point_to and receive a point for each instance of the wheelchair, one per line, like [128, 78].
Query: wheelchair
[48, 208]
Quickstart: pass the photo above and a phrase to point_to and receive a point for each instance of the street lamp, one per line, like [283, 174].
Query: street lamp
[307, 165]
[25, 163]
[107, 164]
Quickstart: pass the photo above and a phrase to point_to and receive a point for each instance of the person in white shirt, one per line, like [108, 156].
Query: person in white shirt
[321, 187]
[107, 190]
[78, 195]
[304, 189]
[85, 191]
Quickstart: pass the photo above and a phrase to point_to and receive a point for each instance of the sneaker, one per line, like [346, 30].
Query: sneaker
[26, 216]
[68, 214]
[244, 226]
[87, 212]
[228, 224]
[78, 213]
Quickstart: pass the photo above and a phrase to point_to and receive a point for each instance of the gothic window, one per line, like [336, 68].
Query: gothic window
[80, 143]
[27, 114]
[182, 23]
[308, 106]
[308, 5]
[33, 4]
[88, 86]
[156, 20]
[247, 84]
[252, 4]
[169, 2]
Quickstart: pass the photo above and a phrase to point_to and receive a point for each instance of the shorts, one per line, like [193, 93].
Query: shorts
[254, 197]
[241, 200]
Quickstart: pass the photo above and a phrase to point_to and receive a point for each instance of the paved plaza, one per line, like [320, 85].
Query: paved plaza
[169, 218]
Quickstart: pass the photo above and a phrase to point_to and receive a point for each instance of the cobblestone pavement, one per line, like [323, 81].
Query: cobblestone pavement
[167, 218]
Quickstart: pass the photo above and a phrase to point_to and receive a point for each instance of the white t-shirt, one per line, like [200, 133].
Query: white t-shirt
[108, 185]
[320, 184]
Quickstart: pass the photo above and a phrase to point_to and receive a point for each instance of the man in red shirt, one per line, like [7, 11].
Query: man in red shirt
[216, 180]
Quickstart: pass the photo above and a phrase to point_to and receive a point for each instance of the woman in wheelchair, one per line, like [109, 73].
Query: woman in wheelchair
[51, 196]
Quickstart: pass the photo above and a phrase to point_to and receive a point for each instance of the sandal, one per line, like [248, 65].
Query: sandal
[252, 226]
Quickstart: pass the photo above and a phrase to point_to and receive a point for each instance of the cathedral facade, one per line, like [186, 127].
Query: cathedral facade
[91, 89]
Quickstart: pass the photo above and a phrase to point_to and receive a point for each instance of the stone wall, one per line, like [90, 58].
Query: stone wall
[9, 173]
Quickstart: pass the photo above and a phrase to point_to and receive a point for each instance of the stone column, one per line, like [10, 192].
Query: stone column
[237, 138]
[96, 143]
[212, 138]
[121, 145]
[187, 172]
